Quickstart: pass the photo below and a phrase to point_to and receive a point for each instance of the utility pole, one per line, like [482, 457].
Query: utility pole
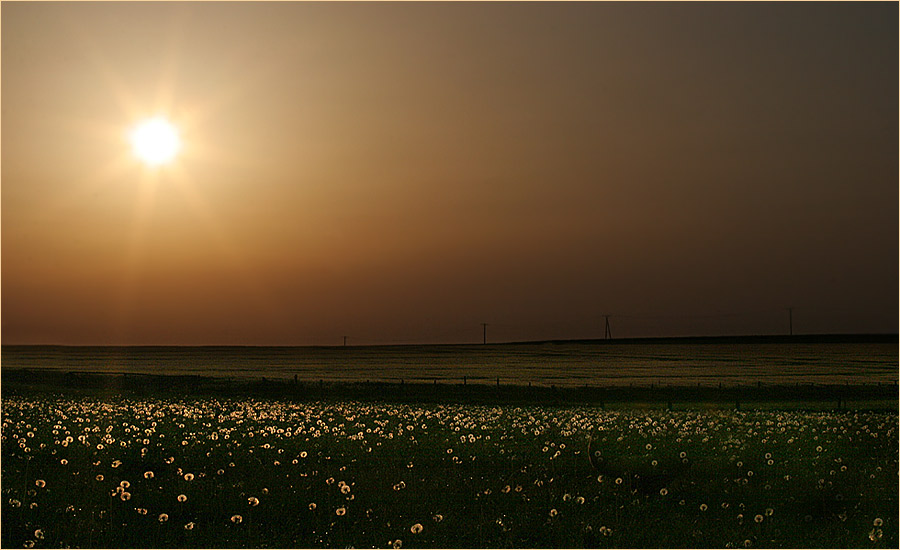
[484, 333]
[608, 333]
[345, 341]
[791, 320]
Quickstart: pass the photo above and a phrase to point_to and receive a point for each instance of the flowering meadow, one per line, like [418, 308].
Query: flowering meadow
[205, 472]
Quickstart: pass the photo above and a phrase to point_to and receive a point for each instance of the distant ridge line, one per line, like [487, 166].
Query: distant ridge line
[744, 339]
[873, 338]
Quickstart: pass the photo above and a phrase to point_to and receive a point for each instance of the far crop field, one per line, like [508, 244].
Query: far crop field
[207, 472]
[677, 362]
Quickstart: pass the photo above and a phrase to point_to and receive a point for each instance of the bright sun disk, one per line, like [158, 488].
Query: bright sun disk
[155, 141]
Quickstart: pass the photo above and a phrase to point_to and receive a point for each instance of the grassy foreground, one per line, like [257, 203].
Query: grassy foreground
[189, 471]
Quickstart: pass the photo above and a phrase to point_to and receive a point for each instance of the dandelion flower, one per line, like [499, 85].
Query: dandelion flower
[236, 518]
[253, 501]
[345, 489]
[39, 534]
[619, 481]
[553, 513]
[40, 483]
[397, 544]
[769, 511]
[189, 477]
[663, 491]
[99, 477]
[148, 475]
[416, 529]
[312, 505]
[182, 498]
[142, 511]
[125, 496]
[163, 518]
[30, 544]
[189, 526]
[580, 500]
[747, 543]
[758, 518]
[340, 511]
[878, 522]
[438, 518]
[703, 507]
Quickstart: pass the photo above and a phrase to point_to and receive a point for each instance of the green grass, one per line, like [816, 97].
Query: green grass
[470, 475]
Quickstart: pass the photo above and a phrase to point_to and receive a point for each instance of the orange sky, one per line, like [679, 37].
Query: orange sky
[405, 172]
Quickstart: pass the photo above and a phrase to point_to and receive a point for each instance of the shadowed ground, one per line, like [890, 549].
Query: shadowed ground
[480, 391]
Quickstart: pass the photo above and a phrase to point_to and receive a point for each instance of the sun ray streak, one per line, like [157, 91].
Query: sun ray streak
[135, 252]
[226, 244]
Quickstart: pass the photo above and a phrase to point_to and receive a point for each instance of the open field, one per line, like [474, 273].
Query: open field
[99, 453]
[731, 361]
[190, 471]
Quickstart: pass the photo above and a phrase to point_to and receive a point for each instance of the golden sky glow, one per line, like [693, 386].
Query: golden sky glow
[403, 172]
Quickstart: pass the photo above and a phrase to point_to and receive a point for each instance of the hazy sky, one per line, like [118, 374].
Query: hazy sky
[402, 172]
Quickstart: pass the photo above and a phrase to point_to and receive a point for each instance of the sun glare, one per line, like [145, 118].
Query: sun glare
[155, 141]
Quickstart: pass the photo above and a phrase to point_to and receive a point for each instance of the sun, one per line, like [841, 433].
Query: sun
[155, 141]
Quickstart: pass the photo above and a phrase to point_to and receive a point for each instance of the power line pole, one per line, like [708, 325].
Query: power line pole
[608, 333]
[345, 341]
[791, 320]
[484, 333]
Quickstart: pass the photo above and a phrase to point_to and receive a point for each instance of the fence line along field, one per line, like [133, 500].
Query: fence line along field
[744, 361]
[209, 472]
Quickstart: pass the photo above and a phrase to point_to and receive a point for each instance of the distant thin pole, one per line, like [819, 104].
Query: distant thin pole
[484, 333]
[345, 341]
[608, 333]
[790, 321]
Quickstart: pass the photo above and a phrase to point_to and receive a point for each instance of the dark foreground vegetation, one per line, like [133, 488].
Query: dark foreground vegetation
[111, 460]
[93, 467]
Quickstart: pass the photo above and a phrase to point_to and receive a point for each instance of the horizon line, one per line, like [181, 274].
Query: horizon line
[855, 336]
